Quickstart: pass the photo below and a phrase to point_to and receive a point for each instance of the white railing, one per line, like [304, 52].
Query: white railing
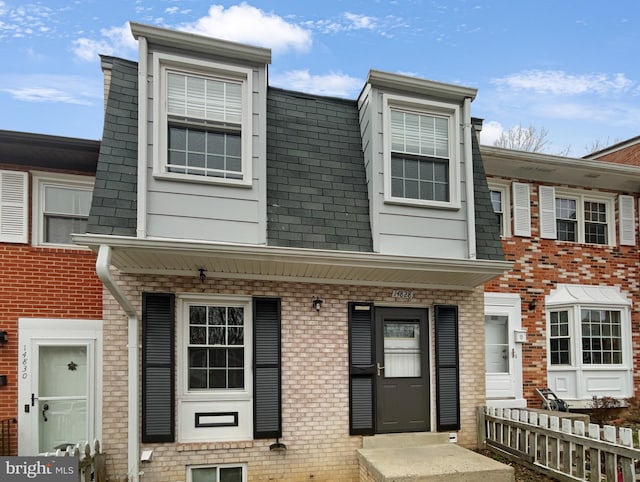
[559, 447]
[91, 461]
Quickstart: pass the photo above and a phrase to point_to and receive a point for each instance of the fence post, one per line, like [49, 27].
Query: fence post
[481, 429]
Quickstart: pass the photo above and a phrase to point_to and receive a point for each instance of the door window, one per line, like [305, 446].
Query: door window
[497, 343]
[62, 400]
[402, 349]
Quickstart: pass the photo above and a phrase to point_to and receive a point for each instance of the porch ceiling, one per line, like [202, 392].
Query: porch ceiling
[185, 258]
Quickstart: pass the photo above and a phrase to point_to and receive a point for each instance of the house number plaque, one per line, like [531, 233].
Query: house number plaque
[402, 294]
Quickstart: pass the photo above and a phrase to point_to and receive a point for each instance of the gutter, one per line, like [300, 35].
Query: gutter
[103, 263]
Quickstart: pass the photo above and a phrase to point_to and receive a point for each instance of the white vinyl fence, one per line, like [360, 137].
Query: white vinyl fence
[559, 447]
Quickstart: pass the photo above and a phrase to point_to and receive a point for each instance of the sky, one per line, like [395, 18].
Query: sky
[568, 68]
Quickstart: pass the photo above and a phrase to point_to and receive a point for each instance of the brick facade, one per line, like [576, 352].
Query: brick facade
[315, 405]
[539, 265]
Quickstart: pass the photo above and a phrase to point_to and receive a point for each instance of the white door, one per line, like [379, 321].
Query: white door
[503, 354]
[57, 387]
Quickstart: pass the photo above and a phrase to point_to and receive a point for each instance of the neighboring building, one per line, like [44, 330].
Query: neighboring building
[625, 152]
[51, 298]
[566, 316]
[299, 271]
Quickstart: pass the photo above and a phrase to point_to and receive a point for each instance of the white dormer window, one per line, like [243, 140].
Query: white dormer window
[421, 154]
[204, 129]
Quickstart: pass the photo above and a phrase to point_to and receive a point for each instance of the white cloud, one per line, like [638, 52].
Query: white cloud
[24, 21]
[556, 82]
[490, 132]
[247, 24]
[359, 22]
[52, 88]
[332, 84]
[114, 41]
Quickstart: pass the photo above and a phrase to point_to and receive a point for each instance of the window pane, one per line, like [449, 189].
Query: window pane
[601, 341]
[205, 474]
[231, 474]
[197, 378]
[58, 230]
[415, 178]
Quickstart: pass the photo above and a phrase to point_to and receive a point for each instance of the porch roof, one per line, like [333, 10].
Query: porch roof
[221, 260]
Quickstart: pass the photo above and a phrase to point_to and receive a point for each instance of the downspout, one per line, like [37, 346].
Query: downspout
[468, 163]
[102, 269]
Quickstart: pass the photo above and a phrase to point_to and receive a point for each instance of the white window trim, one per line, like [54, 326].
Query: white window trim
[219, 466]
[503, 187]
[162, 62]
[575, 335]
[183, 303]
[581, 196]
[452, 111]
[42, 180]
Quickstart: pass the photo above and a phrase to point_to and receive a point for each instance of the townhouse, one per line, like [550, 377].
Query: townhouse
[50, 322]
[566, 316]
[298, 271]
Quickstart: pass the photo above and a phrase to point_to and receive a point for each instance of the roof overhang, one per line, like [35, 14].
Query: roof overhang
[185, 258]
[560, 170]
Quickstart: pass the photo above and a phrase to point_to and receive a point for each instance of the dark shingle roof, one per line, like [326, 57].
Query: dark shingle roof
[316, 181]
[113, 209]
[488, 243]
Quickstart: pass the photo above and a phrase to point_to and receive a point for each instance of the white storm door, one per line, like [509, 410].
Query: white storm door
[503, 356]
[62, 395]
[58, 382]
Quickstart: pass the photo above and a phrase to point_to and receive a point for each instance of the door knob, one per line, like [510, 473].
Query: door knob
[379, 368]
[45, 407]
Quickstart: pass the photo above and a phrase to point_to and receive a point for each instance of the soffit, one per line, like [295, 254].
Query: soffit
[560, 170]
[135, 256]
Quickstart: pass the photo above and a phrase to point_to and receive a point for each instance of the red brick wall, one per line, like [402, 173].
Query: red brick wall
[540, 264]
[46, 283]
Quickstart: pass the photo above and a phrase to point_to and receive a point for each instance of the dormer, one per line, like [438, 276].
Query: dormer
[417, 143]
[202, 137]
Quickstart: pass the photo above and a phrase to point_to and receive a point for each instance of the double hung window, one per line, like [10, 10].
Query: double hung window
[205, 126]
[421, 157]
[216, 347]
[61, 208]
[577, 216]
[500, 201]
[204, 122]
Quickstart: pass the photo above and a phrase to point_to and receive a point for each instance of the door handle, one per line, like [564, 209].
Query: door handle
[379, 368]
[45, 407]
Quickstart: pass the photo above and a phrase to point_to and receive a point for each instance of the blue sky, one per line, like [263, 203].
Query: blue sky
[569, 67]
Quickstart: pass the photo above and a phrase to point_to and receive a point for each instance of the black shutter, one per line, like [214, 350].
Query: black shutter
[267, 414]
[158, 377]
[447, 373]
[361, 369]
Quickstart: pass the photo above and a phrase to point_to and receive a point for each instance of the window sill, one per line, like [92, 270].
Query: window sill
[416, 203]
[200, 446]
[167, 176]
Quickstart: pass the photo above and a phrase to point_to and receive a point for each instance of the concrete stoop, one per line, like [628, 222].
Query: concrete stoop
[425, 457]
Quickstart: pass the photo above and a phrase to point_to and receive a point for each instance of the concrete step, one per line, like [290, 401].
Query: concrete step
[399, 440]
[430, 463]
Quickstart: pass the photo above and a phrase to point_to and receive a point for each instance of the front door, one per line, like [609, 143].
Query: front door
[402, 393]
[57, 388]
[503, 353]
